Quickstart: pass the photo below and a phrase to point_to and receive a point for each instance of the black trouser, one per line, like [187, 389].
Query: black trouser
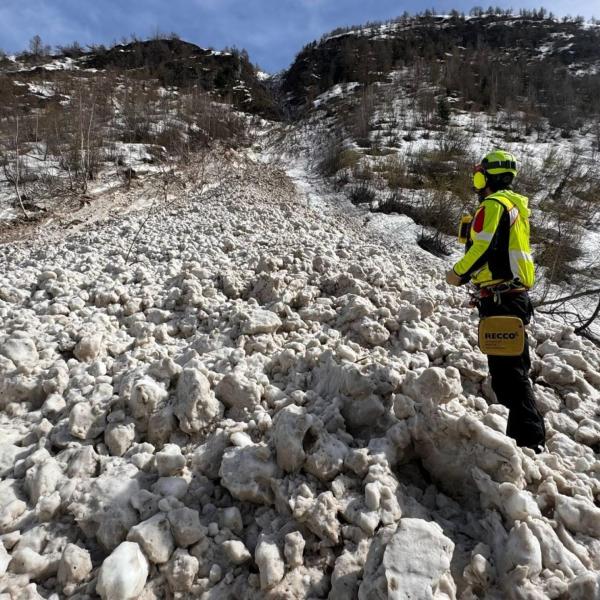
[510, 375]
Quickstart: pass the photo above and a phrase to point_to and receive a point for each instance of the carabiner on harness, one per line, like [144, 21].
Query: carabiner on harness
[496, 291]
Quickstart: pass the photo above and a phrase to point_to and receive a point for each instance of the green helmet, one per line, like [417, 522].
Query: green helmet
[498, 162]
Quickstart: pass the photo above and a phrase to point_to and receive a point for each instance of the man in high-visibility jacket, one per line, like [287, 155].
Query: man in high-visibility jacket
[498, 262]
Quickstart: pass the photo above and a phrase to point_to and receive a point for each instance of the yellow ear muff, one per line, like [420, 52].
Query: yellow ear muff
[479, 180]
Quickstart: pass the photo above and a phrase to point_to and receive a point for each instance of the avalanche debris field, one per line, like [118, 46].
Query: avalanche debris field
[249, 394]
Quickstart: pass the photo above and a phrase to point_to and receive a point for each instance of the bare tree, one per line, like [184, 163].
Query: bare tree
[15, 176]
[37, 48]
[570, 310]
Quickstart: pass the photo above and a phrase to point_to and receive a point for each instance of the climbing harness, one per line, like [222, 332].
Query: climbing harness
[495, 291]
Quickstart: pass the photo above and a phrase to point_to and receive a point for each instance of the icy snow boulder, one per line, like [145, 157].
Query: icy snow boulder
[247, 473]
[515, 504]
[556, 372]
[294, 549]
[588, 432]
[196, 405]
[319, 514]
[325, 456]
[414, 338]
[236, 552]
[154, 537]
[555, 555]
[434, 384]
[181, 571]
[185, 526]
[21, 388]
[291, 425]
[145, 396]
[238, 392]
[101, 506]
[270, 563]
[5, 559]
[86, 420]
[355, 308]
[417, 562]
[359, 391]
[75, 565]
[88, 348]
[118, 437]
[579, 515]
[43, 479]
[26, 561]
[22, 352]
[123, 574]
[523, 550]
[169, 460]
[371, 332]
[260, 321]
[208, 456]
[450, 446]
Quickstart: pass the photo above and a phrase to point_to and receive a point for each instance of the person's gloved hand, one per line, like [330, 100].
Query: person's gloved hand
[452, 278]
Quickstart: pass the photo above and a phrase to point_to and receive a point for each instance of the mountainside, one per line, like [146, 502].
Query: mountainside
[397, 113]
[77, 124]
[540, 63]
[230, 365]
[171, 62]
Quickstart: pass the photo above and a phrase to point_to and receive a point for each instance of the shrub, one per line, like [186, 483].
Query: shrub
[434, 243]
[377, 151]
[557, 255]
[443, 109]
[362, 172]
[341, 180]
[336, 157]
[395, 204]
[362, 193]
[438, 210]
[396, 174]
[451, 143]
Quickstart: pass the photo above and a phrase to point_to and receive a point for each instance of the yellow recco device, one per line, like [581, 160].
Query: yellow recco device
[464, 228]
[501, 336]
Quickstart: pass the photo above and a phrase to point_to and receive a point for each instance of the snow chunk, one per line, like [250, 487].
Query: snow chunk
[75, 565]
[260, 321]
[247, 473]
[236, 391]
[123, 574]
[433, 384]
[290, 428]
[181, 571]
[236, 552]
[196, 405]
[270, 563]
[155, 538]
[417, 561]
[22, 352]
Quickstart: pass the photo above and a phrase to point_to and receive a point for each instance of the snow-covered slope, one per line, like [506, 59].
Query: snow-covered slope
[392, 152]
[262, 398]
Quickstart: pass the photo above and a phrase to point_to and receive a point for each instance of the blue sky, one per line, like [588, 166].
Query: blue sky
[273, 31]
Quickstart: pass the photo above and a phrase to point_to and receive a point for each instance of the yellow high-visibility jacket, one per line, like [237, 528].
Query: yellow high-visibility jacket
[498, 249]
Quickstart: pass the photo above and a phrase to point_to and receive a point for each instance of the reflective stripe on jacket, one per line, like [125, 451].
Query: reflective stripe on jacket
[498, 248]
